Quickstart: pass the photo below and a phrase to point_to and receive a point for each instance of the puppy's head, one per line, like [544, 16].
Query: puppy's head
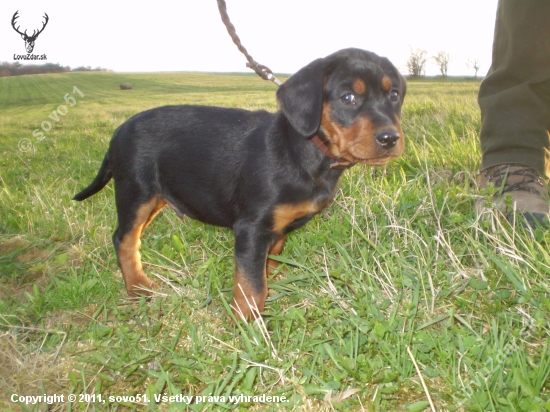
[353, 98]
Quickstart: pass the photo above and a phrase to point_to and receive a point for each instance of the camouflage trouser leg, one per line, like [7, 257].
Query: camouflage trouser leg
[515, 96]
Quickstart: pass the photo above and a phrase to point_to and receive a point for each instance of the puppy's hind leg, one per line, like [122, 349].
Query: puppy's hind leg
[133, 218]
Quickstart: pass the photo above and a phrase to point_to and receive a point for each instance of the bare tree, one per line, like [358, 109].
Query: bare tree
[473, 64]
[442, 59]
[417, 62]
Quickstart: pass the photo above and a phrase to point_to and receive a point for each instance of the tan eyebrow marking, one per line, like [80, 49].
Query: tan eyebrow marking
[359, 86]
[386, 83]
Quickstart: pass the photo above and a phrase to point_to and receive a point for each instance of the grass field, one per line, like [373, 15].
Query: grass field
[395, 296]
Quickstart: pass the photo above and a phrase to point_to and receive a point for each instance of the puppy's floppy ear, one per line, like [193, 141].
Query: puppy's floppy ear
[301, 97]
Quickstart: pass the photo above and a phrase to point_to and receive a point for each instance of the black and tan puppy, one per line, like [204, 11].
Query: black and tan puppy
[262, 174]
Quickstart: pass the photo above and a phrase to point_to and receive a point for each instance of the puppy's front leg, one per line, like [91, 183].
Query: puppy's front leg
[250, 290]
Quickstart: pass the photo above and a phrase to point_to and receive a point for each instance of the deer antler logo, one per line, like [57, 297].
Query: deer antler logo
[29, 40]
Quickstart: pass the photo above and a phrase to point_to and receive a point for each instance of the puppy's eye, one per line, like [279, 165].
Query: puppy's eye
[394, 95]
[348, 99]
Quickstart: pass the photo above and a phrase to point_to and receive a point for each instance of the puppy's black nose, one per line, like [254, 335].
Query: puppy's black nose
[387, 138]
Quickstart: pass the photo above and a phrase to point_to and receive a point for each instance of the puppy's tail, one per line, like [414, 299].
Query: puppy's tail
[103, 176]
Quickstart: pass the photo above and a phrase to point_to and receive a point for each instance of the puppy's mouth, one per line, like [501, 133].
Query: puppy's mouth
[372, 149]
[366, 150]
[377, 161]
[370, 161]
[365, 157]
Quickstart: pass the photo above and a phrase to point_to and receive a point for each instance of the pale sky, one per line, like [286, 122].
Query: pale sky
[285, 35]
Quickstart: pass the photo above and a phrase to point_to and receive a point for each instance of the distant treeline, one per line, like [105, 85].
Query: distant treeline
[18, 69]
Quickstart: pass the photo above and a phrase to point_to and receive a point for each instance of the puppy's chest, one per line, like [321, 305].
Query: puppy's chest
[292, 215]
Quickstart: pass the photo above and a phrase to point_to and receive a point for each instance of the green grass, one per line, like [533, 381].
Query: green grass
[397, 271]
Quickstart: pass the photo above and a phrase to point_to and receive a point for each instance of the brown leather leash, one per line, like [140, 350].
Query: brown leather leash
[263, 71]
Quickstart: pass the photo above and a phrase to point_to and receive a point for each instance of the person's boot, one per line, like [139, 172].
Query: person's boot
[519, 189]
